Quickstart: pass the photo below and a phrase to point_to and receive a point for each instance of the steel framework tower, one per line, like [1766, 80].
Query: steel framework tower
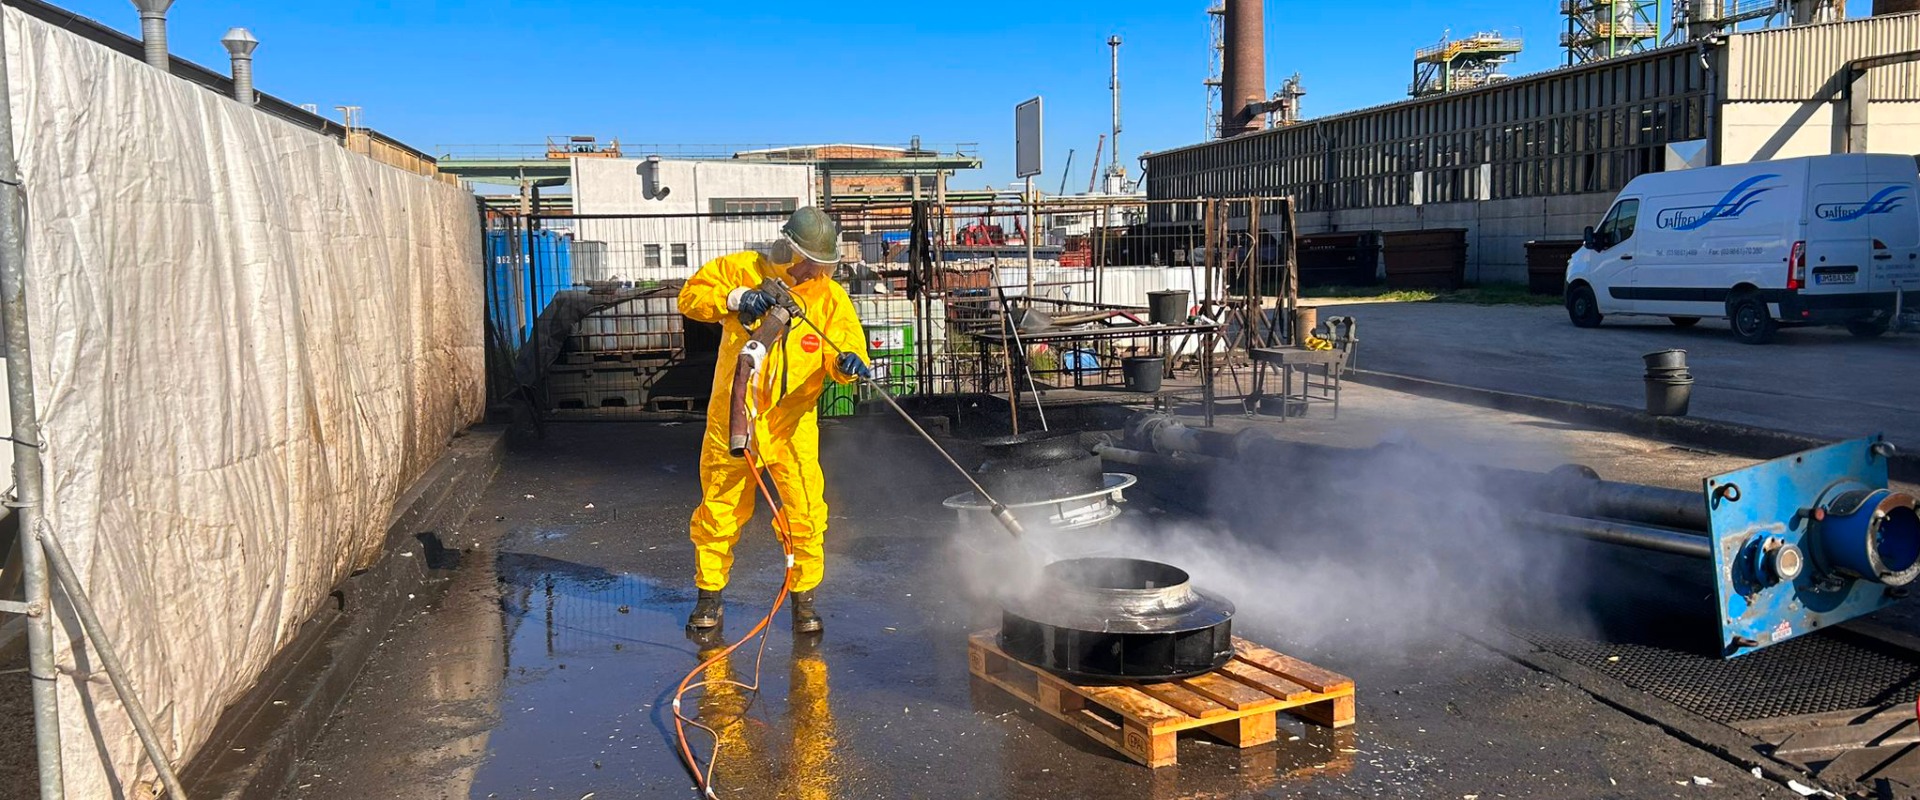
[1598, 29]
[1456, 64]
[1216, 55]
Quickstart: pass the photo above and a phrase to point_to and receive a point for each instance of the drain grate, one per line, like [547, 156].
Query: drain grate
[1828, 671]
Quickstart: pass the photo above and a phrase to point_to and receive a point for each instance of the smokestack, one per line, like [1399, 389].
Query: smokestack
[153, 31]
[1244, 77]
[240, 44]
[1894, 6]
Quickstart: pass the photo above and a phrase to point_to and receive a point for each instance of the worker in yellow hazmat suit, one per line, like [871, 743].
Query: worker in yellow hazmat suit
[786, 439]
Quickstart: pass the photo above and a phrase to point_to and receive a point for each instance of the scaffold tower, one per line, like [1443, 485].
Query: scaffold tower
[1600, 29]
[1456, 64]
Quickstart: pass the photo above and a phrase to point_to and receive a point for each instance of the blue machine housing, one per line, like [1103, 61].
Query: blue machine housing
[1808, 541]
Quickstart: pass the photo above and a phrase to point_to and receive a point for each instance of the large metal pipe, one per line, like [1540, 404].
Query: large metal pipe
[1567, 490]
[153, 32]
[1645, 537]
[27, 486]
[240, 44]
[1243, 80]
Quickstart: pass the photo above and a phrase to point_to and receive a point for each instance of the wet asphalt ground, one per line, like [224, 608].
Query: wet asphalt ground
[1816, 381]
[546, 668]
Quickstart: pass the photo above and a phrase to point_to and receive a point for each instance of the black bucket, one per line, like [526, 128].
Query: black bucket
[1167, 307]
[1666, 360]
[1669, 397]
[1142, 372]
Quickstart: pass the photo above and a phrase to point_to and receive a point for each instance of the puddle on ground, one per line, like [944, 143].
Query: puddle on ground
[591, 661]
[592, 658]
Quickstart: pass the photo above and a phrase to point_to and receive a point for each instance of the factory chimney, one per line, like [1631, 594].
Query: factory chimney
[1894, 6]
[153, 31]
[240, 44]
[1244, 79]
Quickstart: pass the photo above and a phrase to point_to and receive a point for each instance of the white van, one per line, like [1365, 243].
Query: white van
[1823, 240]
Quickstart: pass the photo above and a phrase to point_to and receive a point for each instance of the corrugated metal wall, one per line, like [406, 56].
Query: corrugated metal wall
[1580, 129]
[1793, 64]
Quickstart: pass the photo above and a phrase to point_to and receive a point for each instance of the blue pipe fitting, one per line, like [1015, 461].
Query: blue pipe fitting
[1872, 535]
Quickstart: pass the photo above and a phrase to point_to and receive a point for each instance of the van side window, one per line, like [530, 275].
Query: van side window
[1624, 221]
[1619, 224]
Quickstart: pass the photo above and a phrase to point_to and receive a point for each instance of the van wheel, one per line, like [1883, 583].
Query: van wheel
[1684, 322]
[1751, 322]
[1582, 308]
[1869, 328]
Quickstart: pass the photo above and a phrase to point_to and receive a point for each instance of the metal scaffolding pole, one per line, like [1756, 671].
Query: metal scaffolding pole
[27, 492]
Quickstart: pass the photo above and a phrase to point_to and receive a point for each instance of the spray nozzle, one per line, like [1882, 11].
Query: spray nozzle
[1007, 521]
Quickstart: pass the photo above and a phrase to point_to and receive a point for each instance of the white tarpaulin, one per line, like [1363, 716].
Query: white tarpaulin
[247, 342]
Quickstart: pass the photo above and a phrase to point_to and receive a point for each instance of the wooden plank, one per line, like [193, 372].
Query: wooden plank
[1226, 691]
[1336, 712]
[1130, 704]
[1154, 749]
[1827, 741]
[1248, 731]
[1291, 668]
[1118, 699]
[1265, 681]
[1193, 705]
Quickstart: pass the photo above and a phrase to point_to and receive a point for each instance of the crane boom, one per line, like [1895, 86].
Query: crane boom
[1094, 179]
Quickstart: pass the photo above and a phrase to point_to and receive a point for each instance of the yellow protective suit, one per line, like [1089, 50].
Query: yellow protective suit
[787, 435]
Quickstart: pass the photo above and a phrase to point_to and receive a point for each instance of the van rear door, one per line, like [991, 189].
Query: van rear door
[1895, 226]
[1839, 244]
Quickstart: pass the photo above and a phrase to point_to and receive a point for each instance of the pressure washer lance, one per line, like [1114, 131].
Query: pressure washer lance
[999, 511]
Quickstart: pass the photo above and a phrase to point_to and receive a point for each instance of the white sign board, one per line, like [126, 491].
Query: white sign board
[1026, 138]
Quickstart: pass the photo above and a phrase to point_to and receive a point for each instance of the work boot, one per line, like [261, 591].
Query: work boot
[707, 611]
[805, 619]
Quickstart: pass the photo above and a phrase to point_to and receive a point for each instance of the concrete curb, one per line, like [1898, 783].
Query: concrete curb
[1720, 437]
[262, 737]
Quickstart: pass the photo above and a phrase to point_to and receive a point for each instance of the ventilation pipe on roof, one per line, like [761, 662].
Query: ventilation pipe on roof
[240, 44]
[153, 31]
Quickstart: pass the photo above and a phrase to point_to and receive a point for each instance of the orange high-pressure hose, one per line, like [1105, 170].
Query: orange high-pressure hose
[703, 779]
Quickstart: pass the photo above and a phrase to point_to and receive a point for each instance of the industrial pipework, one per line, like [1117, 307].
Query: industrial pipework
[1796, 544]
[153, 32]
[240, 45]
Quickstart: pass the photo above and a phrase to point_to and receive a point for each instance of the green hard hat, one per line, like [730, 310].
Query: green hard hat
[813, 234]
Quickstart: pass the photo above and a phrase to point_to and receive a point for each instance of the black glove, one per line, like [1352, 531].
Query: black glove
[851, 365]
[753, 303]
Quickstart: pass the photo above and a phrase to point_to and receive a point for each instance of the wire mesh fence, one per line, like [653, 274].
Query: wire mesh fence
[585, 306]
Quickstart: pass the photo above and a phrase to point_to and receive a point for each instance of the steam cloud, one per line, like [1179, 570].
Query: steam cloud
[1393, 550]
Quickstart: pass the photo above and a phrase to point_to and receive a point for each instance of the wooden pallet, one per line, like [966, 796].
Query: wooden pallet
[1238, 703]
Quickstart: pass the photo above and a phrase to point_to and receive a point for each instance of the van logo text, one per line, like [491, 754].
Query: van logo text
[1882, 202]
[1734, 203]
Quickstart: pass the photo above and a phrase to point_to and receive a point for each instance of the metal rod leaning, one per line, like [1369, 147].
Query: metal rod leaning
[110, 660]
[1006, 314]
[28, 488]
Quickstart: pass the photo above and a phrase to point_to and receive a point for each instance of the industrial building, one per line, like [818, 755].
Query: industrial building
[1541, 156]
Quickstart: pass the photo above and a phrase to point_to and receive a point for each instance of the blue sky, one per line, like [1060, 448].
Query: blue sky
[438, 72]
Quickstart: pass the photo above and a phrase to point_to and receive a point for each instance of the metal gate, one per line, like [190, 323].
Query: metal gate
[585, 308]
[584, 315]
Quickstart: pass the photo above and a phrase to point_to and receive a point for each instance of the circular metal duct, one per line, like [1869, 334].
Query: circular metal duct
[1032, 467]
[1118, 618]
